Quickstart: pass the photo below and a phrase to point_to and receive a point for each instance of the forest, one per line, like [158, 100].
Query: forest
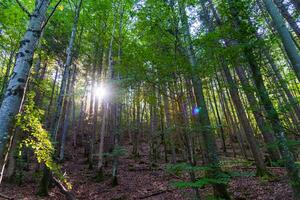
[150, 99]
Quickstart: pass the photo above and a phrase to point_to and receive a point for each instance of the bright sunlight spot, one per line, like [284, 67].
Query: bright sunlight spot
[101, 92]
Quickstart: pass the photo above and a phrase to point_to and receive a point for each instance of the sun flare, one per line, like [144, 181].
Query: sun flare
[101, 92]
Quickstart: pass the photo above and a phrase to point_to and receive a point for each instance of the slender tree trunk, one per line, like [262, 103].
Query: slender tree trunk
[68, 105]
[153, 132]
[60, 100]
[219, 22]
[230, 125]
[136, 132]
[282, 82]
[289, 18]
[168, 126]
[50, 115]
[118, 106]
[285, 36]
[230, 110]
[7, 73]
[220, 190]
[101, 145]
[264, 127]
[220, 126]
[272, 115]
[184, 123]
[254, 145]
[81, 115]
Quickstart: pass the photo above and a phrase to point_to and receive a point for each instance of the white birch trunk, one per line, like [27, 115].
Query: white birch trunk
[17, 84]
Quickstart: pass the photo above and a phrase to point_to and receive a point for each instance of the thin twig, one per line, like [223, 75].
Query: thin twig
[51, 14]
[23, 8]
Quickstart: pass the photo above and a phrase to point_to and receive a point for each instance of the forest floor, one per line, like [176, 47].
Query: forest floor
[138, 181]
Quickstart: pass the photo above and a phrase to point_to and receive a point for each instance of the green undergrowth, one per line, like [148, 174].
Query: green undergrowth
[201, 172]
[36, 138]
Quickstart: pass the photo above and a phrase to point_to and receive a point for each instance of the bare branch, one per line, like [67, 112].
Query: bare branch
[23, 8]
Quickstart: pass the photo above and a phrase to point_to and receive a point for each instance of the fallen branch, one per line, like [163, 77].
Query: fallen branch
[6, 197]
[252, 167]
[155, 194]
[69, 195]
[140, 169]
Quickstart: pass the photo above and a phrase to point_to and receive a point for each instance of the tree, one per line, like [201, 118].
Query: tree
[16, 88]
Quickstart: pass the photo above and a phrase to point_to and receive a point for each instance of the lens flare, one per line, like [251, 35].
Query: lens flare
[196, 111]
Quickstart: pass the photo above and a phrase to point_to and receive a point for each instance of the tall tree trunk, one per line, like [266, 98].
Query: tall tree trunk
[285, 36]
[153, 132]
[263, 125]
[282, 82]
[81, 114]
[136, 132]
[117, 106]
[68, 105]
[60, 100]
[230, 124]
[220, 125]
[220, 190]
[254, 145]
[101, 144]
[168, 126]
[272, 116]
[17, 84]
[289, 18]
